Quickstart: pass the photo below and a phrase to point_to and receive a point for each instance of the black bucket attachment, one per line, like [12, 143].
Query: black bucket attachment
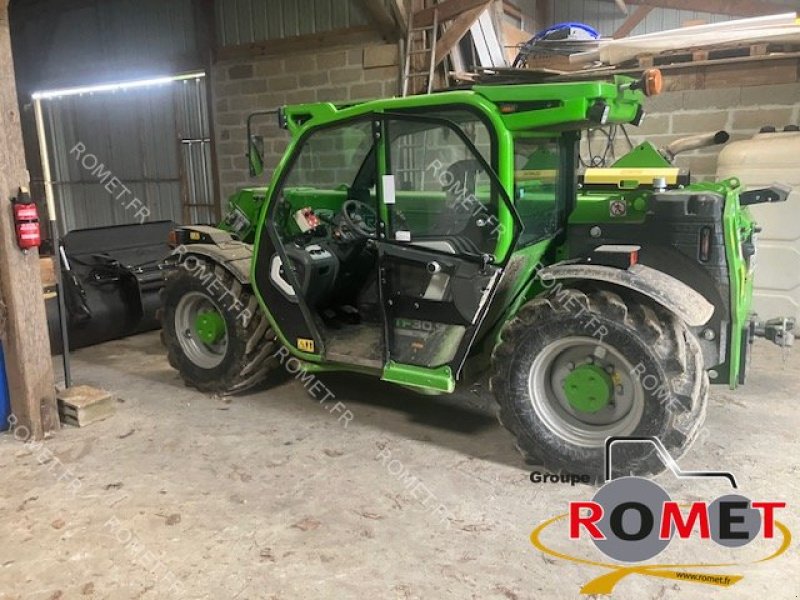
[112, 279]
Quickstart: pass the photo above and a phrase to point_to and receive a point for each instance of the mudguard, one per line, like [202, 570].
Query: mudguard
[672, 294]
[230, 254]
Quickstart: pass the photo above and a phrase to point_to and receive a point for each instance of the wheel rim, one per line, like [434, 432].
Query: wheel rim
[201, 330]
[583, 390]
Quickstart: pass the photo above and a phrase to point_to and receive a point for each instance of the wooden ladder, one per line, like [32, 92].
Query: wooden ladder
[426, 37]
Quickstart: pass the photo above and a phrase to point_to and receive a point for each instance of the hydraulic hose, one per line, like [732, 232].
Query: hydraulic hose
[693, 142]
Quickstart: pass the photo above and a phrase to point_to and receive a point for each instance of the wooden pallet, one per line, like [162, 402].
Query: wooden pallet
[82, 405]
[706, 55]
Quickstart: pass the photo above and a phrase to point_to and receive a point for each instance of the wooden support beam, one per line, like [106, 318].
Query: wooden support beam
[457, 30]
[25, 337]
[379, 15]
[337, 37]
[543, 16]
[636, 17]
[622, 6]
[512, 10]
[449, 9]
[400, 14]
[736, 8]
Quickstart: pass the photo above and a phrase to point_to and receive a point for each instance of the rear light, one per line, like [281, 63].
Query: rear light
[634, 257]
[653, 82]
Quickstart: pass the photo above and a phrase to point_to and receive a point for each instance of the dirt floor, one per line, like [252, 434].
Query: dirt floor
[386, 495]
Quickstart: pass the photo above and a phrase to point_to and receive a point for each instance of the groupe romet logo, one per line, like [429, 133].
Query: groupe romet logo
[633, 519]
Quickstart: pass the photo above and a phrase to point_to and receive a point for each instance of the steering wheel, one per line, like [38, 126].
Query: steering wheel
[360, 218]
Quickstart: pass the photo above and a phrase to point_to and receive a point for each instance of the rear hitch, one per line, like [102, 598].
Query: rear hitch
[779, 331]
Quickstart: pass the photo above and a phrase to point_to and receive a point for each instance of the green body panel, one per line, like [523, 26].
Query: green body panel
[642, 156]
[738, 225]
[593, 206]
[440, 380]
[511, 112]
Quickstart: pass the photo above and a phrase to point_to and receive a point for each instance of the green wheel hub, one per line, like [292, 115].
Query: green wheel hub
[210, 326]
[589, 388]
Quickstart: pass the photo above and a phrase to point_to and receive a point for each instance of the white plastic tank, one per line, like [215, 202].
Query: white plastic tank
[758, 162]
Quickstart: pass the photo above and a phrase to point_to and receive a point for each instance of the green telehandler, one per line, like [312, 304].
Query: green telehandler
[446, 238]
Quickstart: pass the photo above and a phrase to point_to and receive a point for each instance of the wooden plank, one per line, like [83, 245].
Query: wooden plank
[457, 30]
[736, 8]
[713, 73]
[636, 17]
[379, 15]
[25, 338]
[513, 39]
[622, 6]
[449, 9]
[299, 43]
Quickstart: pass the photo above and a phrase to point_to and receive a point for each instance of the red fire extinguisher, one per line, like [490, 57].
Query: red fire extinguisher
[26, 221]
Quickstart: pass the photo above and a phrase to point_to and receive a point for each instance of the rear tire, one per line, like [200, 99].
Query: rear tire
[656, 369]
[236, 363]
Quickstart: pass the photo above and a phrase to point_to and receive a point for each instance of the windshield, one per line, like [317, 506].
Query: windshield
[537, 187]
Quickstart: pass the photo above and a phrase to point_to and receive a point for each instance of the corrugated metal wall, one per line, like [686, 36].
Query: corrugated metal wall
[248, 21]
[59, 43]
[607, 18]
[138, 136]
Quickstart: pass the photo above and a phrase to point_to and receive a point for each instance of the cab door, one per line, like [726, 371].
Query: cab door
[447, 230]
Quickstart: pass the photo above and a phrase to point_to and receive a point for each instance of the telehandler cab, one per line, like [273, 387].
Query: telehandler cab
[438, 238]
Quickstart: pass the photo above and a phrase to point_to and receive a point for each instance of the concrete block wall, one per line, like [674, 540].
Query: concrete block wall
[243, 86]
[741, 111]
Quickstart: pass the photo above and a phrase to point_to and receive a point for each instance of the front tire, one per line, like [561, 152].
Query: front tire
[575, 368]
[218, 342]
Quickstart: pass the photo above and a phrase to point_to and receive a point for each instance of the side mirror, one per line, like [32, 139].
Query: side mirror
[255, 155]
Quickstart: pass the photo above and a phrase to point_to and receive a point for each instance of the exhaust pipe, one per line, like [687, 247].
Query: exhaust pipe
[693, 142]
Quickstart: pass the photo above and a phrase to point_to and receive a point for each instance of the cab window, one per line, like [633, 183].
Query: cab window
[538, 187]
[445, 199]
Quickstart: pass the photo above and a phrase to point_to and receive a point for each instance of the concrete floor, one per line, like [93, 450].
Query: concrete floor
[269, 495]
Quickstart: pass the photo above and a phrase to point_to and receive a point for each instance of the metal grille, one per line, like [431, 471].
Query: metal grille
[249, 21]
